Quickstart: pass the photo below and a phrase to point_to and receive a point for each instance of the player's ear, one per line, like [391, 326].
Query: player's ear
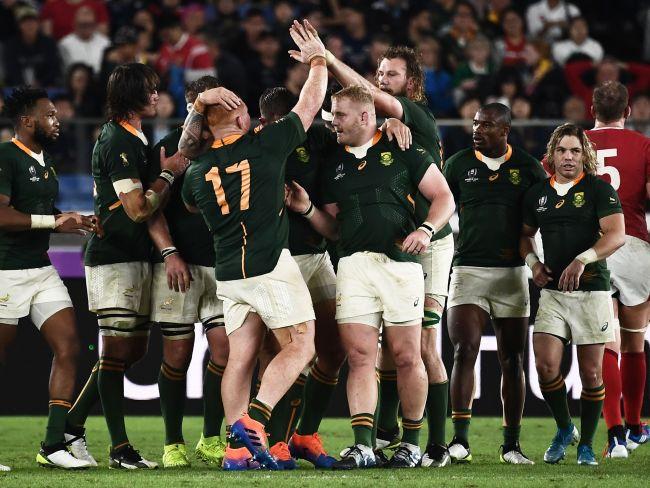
[592, 112]
[628, 112]
[262, 120]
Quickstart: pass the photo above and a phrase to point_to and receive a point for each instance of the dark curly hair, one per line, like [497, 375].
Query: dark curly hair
[413, 68]
[128, 90]
[21, 102]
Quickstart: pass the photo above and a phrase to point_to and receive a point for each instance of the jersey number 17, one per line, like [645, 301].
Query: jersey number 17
[241, 167]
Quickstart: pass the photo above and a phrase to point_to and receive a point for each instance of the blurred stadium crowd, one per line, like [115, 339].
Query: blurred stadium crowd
[540, 57]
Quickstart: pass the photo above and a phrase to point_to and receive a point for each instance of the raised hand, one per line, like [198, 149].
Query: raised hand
[307, 40]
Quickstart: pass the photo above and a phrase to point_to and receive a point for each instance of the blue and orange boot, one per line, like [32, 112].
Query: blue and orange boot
[280, 451]
[239, 460]
[310, 448]
[251, 433]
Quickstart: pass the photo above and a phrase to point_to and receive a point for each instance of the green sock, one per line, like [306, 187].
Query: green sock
[436, 408]
[591, 406]
[554, 393]
[318, 392]
[86, 400]
[110, 382]
[389, 404]
[286, 413]
[259, 411]
[212, 405]
[362, 428]
[511, 435]
[56, 422]
[376, 415]
[411, 431]
[461, 419]
[172, 385]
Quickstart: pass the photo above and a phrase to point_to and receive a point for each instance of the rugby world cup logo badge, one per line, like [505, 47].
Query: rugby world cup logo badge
[32, 171]
[339, 172]
[541, 203]
[471, 175]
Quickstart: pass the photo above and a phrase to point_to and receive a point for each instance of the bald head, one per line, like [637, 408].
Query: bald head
[222, 122]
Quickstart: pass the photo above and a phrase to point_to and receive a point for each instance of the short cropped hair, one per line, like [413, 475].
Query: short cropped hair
[413, 68]
[502, 111]
[276, 102]
[195, 87]
[128, 90]
[21, 102]
[610, 99]
[356, 93]
[588, 151]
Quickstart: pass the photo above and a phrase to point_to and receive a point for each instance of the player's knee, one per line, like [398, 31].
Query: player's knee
[511, 362]
[406, 358]
[360, 356]
[546, 370]
[466, 350]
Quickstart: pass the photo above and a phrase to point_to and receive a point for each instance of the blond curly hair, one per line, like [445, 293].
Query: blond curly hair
[588, 151]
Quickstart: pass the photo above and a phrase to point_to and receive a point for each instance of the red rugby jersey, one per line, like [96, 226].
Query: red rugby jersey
[624, 160]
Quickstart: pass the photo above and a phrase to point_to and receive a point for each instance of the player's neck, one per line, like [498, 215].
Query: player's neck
[496, 151]
[562, 180]
[29, 142]
[135, 121]
[618, 124]
[224, 132]
[365, 138]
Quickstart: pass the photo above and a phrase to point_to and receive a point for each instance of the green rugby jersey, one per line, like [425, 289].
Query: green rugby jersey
[188, 230]
[118, 154]
[303, 167]
[490, 205]
[569, 225]
[238, 186]
[32, 188]
[422, 123]
[374, 195]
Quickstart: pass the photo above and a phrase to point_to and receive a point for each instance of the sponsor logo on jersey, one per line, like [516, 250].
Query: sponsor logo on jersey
[32, 171]
[541, 204]
[515, 176]
[339, 172]
[493, 177]
[604, 327]
[46, 175]
[167, 304]
[362, 165]
[560, 203]
[579, 199]
[417, 300]
[125, 161]
[303, 155]
[612, 200]
[386, 158]
[471, 175]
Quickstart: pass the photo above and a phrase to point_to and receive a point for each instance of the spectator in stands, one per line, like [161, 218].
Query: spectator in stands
[267, 68]
[147, 41]
[493, 15]
[473, 77]
[356, 37]
[460, 137]
[635, 76]
[59, 16]
[81, 88]
[531, 139]
[283, 17]
[86, 44]
[251, 29]
[507, 86]
[193, 18]
[549, 19]
[456, 37]
[509, 49]
[389, 17]
[544, 82]
[334, 44]
[31, 58]
[165, 110]
[437, 81]
[230, 70]
[125, 49]
[64, 149]
[575, 111]
[442, 12]
[296, 77]
[578, 43]
[378, 46]
[419, 27]
[640, 116]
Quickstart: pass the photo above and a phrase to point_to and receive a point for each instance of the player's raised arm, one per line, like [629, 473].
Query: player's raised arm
[313, 91]
[323, 221]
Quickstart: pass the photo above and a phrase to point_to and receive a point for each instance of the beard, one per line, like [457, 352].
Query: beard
[41, 137]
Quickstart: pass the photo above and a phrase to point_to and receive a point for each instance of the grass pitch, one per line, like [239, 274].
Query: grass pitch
[21, 436]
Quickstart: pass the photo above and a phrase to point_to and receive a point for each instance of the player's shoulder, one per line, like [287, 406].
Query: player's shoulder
[524, 157]
[461, 157]
[7, 148]
[616, 135]
[170, 139]
[598, 184]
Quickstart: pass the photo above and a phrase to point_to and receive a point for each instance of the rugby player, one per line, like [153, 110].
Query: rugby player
[368, 207]
[238, 186]
[623, 158]
[184, 292]
[581, 223]
[488, 278]
[399, 93]
[118, 271]
[29, 284]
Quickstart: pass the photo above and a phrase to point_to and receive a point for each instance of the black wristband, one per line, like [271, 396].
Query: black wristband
[309, 209]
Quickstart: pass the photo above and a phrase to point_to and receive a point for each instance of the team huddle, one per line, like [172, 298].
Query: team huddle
[233, 228]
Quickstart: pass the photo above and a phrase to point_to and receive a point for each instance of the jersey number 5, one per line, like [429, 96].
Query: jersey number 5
[601, 169]
[241, 167]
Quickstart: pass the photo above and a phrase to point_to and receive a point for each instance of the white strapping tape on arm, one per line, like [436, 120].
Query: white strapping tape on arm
[126, 185]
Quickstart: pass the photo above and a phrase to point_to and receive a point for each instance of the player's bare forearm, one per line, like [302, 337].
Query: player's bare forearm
[435, 189]
[312, 93]
[613, 229]
[326, 225]
[140, 206]
[527, 245]
[159, 231]
[11, 219]
[191, 143]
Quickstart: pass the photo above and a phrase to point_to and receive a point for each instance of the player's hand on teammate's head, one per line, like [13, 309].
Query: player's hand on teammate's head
[396, 129]
[296, 198]
[73, 223]
[542, 274]
[307, 40]
[177, 163]
[220, 96]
